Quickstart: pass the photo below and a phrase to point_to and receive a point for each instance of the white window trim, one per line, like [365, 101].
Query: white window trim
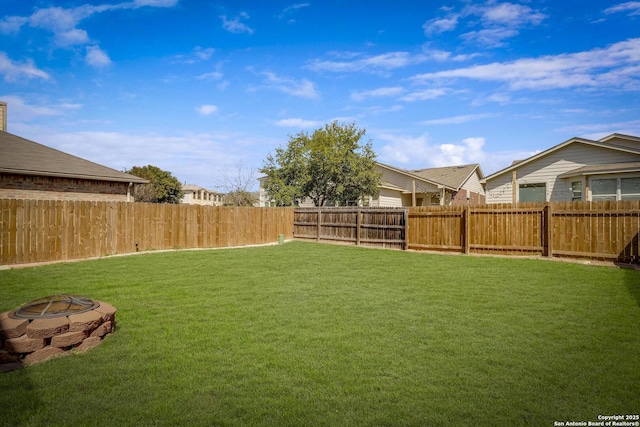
[617, 177]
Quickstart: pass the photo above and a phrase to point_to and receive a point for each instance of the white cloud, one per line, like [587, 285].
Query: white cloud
[419, 152]
[440, 25]
[403, 150]
[469, 151]
[298, 123]
[214, 75]
[72, 37]
[424, 95]
[377, 93]
[199, 54]
[63, 22]
[12, 70]
[498, 22]
[196, 158]
[290, 10]
[490, 37]
[386, 61]
[443, 55]
[596, 131]
[500, 98]
[12, 24]
[234, 25]
[204, 53]
[302, 88]
[613, 66]
[458, 119]
[58, 19]
[23, 111]
[154, 3]
[631, 6]
[377, 110]
[97, 57]
[206, 109]
[513, 15]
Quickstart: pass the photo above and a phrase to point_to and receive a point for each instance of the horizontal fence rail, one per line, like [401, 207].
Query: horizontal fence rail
[594, 230]
[34, 231]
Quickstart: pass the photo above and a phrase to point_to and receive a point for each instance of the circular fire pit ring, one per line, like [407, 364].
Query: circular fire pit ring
[52, 327]
[60, 305]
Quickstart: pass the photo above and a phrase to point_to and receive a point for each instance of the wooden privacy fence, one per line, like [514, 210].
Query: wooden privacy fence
[50, 230]
[597, 230]
[360, 226]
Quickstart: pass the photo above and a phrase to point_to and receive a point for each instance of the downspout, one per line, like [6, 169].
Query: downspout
[514, 187]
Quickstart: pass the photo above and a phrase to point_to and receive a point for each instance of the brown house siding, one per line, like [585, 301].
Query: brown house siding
[58, 188]
[460, 198]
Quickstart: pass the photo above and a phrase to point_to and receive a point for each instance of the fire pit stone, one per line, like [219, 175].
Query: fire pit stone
[52, 327]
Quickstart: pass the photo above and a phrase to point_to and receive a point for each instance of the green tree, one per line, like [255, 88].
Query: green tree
[328, 166]
[163, 187]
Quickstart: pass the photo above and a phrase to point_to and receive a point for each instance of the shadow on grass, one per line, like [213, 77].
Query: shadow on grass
[19, 398]
[632, 280]
[629, 260]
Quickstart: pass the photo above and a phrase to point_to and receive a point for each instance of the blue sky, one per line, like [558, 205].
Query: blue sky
[201, 87]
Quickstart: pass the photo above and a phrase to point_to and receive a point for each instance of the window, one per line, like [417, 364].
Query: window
[604, 189]
[576, 191]
[630, 188]
[532, 193]
[435, 199]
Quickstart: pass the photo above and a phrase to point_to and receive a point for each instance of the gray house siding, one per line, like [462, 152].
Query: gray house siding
[546, 170]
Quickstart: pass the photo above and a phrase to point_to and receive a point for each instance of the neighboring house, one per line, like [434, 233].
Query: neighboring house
[29, 170]
[196, 195]
[452, 185]
[576, 170]
[425, 187]
[465, 179]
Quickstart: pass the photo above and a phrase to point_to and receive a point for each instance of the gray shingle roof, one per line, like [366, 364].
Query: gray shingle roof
[452, 176]
[22, 156]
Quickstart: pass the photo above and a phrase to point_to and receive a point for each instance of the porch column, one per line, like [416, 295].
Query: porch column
[586, 196]
[443, 194]
[413, 193]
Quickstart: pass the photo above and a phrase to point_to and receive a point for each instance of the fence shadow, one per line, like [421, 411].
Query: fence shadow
[632, 282]
[629, 261]
[631, 252]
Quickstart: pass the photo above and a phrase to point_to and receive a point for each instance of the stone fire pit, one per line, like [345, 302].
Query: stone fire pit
[52, 327]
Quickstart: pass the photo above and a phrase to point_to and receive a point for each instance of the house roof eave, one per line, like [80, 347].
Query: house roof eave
[133, 179]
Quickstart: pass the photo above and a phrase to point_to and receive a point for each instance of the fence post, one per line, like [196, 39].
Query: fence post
[548, 222]
[466, 219]
[405, 216]
[319, 225]
[358, 223]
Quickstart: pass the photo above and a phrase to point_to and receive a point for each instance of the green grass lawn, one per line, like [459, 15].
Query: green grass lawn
[306, 334]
